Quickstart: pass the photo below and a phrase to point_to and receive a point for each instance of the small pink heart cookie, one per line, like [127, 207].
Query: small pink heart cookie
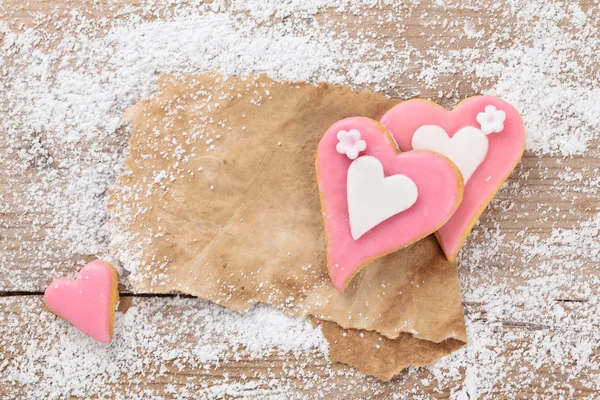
[484, 136]
[88, 302]
[374, 200]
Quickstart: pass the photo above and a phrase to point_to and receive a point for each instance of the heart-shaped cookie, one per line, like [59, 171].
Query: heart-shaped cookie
[484, 136]
[374, 200]
[88, 302]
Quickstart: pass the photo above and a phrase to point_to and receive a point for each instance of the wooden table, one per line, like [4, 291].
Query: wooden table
[543, 194]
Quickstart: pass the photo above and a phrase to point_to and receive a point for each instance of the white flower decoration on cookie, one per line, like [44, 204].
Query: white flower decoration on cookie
[350, 143]
[492, 120]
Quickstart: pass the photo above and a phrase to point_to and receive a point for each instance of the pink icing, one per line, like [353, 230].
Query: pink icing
[439, 191]
[88, 302]
[505, 150]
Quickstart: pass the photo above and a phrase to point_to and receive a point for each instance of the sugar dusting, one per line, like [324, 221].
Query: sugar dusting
[529, 271]
[153, 344]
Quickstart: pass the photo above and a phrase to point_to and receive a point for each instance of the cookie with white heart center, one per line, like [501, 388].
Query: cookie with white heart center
[376, 200]
[484, 136]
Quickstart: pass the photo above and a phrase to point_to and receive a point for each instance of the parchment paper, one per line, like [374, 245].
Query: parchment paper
[221, 202]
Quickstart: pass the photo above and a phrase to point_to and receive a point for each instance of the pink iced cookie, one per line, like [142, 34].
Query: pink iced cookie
[375, 200]
[89, 302]
[484, 136]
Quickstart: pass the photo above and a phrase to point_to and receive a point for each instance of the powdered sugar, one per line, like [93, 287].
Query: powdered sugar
[150, 339]
[528, 272]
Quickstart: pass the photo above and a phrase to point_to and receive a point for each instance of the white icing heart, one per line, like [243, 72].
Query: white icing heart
[466, 149]
[373, 198]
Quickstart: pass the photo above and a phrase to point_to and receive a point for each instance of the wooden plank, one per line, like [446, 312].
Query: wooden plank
[166, 346]
[30, 260]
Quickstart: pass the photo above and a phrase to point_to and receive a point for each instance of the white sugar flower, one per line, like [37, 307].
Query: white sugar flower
[350, 143]
[492, 120]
